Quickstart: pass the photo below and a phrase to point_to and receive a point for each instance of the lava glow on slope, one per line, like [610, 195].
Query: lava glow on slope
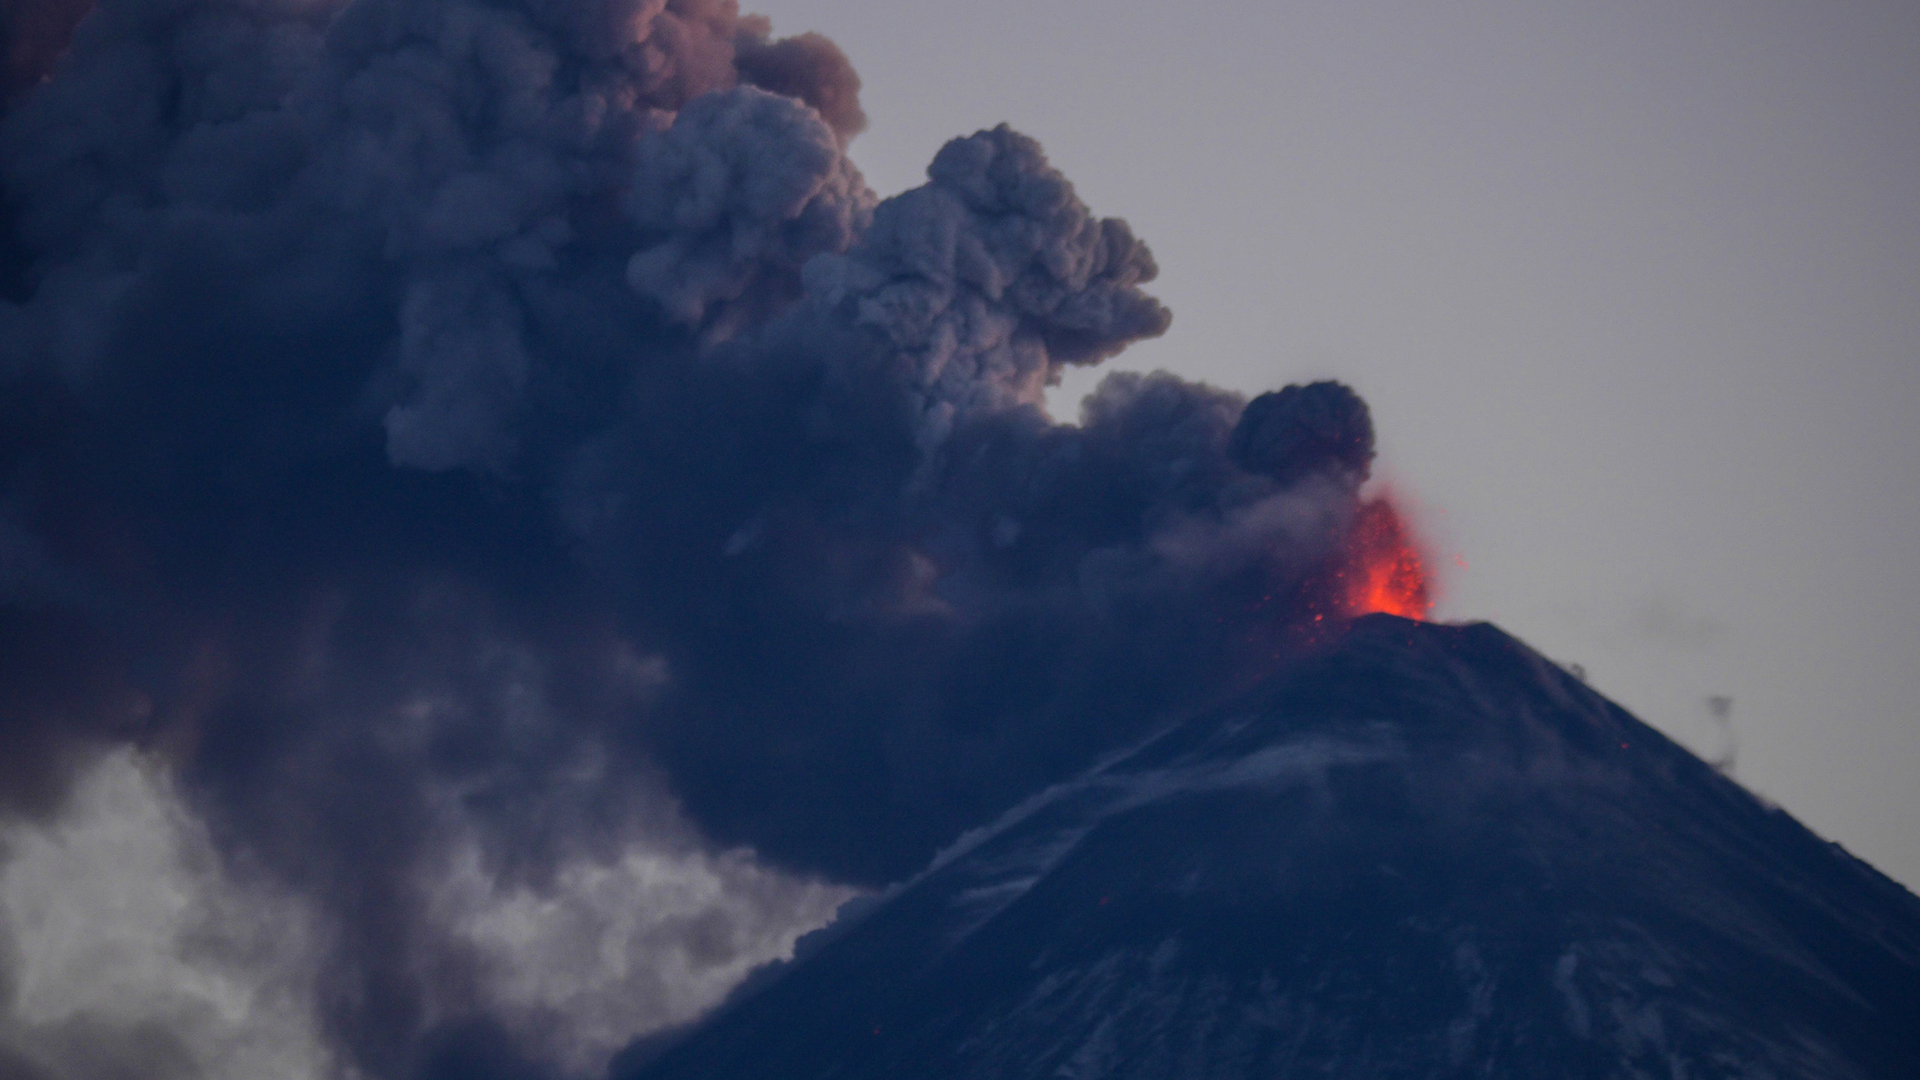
[1384, 569]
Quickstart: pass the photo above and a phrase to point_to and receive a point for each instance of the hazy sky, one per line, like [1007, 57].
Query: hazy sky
[1631, 288]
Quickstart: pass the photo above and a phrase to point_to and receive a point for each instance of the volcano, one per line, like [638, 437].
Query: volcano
[1423, 851]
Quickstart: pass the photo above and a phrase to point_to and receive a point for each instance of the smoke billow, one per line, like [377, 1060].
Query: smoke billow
[32, 36]
[555, 526]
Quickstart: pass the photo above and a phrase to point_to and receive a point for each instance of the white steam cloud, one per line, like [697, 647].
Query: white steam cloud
[135, 948]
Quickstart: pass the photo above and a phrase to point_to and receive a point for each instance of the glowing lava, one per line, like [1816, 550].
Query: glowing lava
[1384, 569]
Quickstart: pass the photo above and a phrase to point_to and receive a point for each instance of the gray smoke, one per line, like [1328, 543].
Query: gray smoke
[504, 469]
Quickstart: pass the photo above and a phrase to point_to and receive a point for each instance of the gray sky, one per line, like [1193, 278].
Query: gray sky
[1631, 288]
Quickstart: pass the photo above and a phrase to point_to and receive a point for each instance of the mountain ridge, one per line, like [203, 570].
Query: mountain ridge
[1422, 850]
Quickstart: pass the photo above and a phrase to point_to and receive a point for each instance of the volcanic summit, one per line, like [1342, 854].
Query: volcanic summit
[1423, 851]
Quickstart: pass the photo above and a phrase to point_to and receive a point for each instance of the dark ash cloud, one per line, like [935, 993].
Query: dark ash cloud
[33, 34]
[497, 443]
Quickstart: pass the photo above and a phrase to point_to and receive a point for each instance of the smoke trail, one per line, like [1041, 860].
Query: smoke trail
[513, 470]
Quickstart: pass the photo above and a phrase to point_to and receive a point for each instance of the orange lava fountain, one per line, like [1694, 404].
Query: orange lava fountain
[1384, 569]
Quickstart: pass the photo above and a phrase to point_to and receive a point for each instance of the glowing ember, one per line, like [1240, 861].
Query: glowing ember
[1384, 570]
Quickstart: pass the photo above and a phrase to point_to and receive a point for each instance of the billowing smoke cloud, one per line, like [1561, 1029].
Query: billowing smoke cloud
[531, 501]
[33, 33]
[132, 954]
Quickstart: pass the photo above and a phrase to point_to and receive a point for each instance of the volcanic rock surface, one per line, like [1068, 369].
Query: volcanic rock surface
[1426, 851]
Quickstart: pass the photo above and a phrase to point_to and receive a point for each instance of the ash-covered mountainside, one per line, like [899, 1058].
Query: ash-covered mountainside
[1425, 851]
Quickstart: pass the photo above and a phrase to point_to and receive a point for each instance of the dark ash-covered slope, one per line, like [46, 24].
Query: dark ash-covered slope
[1426, 852]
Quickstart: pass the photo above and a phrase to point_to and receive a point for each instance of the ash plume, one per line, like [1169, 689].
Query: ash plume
[506, 443]
[33, 33]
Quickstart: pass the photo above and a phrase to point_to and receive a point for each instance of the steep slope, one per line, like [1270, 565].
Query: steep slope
[1425, 852]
